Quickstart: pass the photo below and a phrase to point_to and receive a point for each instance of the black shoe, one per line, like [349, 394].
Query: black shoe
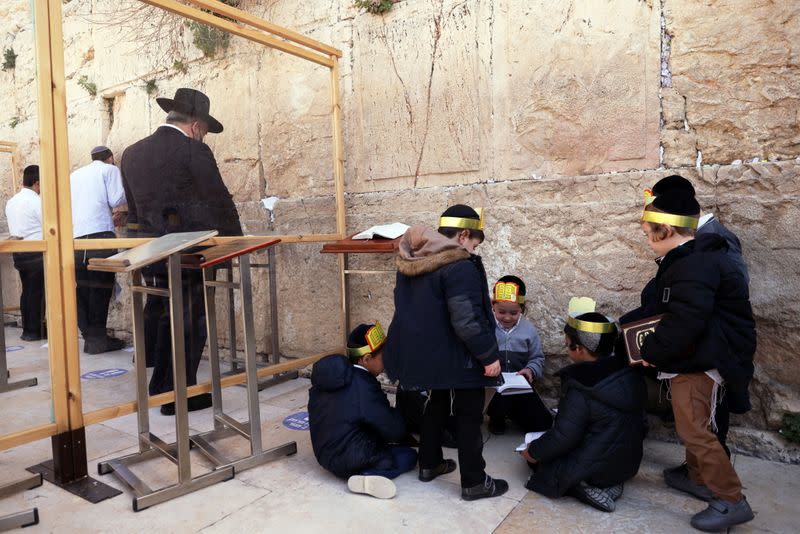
[497, 426]
[721, 515]
[594, 497]
[491, 487]
[679, 479]
[103, 344]
[200, 402]
[447, 466]
[30, 337]
[615, 492]
[168, 409]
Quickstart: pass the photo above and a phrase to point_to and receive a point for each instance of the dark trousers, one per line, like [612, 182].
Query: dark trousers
[93, 289]
[31, 302]
[527, 410]
[403, 459]
[466, 405]
[157, 331]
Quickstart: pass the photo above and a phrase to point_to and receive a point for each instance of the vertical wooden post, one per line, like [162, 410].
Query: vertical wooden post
[69, 445]
[338, 181]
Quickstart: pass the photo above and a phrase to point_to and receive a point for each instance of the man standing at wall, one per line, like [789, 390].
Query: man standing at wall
[24, 214]
[173, 184]
[96, 190]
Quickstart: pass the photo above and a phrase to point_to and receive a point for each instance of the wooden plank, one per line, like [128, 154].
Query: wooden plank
[130, 242]
[15, 439]
[223, 252]
[246, 18]
[367, 246]
[217, 22]
[338, 150]
[20, 245]
[112, 412]
[151, 252]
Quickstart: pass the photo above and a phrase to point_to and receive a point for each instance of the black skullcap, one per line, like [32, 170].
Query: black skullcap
[516, 280]
[462, 211]
[674, 182]
[678, 202]
[356, 338]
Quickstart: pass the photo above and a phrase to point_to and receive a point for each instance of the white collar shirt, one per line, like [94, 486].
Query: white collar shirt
[24, 214]
[96, 190]
[167, 125]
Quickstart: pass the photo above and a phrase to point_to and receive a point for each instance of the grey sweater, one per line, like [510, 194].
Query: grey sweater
[520, 347]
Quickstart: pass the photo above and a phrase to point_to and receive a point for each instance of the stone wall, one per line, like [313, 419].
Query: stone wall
[552, 115]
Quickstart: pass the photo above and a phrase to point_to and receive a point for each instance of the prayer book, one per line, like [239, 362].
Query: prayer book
[388, 231]
[514, 384]
[635, 333]
[529, 437]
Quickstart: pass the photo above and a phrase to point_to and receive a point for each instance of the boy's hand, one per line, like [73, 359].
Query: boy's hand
[528, 457]
[527, 373]
[492, 369]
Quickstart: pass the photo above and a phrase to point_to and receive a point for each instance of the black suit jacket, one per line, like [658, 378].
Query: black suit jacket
[173, 184]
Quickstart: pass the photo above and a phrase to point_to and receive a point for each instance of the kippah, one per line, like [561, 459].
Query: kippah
[99, 149]
[673, 182]
[462, 211]
[677, 202]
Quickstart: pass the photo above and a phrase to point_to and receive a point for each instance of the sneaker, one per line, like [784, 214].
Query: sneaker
[497, 426]
[30, 337]
[380, 487]
[200, 402]
[101, 345]
[679, 479]
[615, 492]
[447, 466]
[595, 497]
[721, 515]
[168, 409]
[491, 487]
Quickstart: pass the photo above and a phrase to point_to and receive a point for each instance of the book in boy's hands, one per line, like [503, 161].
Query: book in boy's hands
[388, 231]
[529, 437]
[635, 333]
[513, 384]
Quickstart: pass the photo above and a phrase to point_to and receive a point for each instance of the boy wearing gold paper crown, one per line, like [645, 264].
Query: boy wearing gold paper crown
[521, 353]
[595, 444]
[351, 422]
[706, 338]
[442, 340]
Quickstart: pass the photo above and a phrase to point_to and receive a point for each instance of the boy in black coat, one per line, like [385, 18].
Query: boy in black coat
[351, 422]
[706, 338]
[595, 444]
[442, 339]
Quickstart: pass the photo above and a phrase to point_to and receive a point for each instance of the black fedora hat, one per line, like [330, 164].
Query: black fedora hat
[193, 103]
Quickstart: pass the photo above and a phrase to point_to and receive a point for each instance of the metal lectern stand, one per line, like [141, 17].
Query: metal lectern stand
[20, 519]
[5, 385]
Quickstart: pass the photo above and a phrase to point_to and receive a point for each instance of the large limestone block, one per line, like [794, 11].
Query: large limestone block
[582, 88]
[738, 66]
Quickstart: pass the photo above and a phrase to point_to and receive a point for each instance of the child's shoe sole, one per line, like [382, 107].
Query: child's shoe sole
[380, 487]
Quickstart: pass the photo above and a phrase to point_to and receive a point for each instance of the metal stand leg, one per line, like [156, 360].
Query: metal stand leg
[232, 322]
[151, 446]
[27, 517]
[5, 385]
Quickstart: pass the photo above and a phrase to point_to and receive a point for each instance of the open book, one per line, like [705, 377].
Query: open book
[514, 384]
[388, 231]
[529, 437]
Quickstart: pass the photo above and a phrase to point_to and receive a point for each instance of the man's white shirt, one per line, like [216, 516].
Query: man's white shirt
[96, 190]
[24, 214]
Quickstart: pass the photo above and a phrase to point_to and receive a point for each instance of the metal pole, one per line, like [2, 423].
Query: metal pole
[179, 368]
[140, 359]
[273, 306]
[250, 354]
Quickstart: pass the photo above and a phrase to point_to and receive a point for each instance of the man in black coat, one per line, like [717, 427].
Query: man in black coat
[173, 184]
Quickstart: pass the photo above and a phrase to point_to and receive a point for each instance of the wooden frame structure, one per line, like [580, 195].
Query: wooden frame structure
[68, 426]
[10, 147]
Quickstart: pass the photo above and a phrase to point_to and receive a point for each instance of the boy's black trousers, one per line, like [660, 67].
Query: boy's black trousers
[466, 405]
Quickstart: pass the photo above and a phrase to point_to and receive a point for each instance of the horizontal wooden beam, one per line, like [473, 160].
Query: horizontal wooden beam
[237, 29]
[112, 412]
[9, 441]
[22, 245]
[261, 24]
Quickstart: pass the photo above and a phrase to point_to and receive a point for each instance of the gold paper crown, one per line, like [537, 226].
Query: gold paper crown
[375, 339]
[649, 197]
[508, 292]
[463, 222]
[581, 305]
[681, 221]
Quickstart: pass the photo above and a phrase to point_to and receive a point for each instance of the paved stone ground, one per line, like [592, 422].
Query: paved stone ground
[294, 494]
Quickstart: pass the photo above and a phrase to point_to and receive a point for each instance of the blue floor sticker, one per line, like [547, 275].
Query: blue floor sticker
[103, 373]
[14, 348]
[297, 421]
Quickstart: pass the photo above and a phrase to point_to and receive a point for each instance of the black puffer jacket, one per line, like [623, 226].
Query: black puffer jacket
[442, 332]
[350, 419]
[708, 322]
[598, 431]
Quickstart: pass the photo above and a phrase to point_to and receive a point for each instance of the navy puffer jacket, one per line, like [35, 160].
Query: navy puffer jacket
[350, 419]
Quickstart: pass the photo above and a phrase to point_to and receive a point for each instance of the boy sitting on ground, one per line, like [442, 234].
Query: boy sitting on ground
[352, 424]
[595, 444]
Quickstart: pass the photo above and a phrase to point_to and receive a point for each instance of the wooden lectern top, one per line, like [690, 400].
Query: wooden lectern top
[349, 245]
[150, 252]
[221, 253]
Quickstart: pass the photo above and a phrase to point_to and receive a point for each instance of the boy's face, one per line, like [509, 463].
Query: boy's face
[469, 243]
[373, 363]
[507, 313]
[660, 247]
[579, 353]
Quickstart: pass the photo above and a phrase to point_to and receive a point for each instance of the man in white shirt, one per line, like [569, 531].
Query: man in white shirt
[96, 190]
[24, 215]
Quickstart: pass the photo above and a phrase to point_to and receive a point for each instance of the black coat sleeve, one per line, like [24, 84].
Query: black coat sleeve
[214, 201]
[377, 414]
[567, 432]
[462, 290]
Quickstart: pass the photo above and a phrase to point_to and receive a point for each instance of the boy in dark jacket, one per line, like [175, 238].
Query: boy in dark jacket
[706, 338]
[595, 444]
[442, 339]
[351, 422]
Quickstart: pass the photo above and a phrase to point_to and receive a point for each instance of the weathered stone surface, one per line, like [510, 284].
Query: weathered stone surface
[738, 66]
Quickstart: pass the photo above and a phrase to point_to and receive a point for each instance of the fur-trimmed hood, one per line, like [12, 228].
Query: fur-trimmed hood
[423, 250]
